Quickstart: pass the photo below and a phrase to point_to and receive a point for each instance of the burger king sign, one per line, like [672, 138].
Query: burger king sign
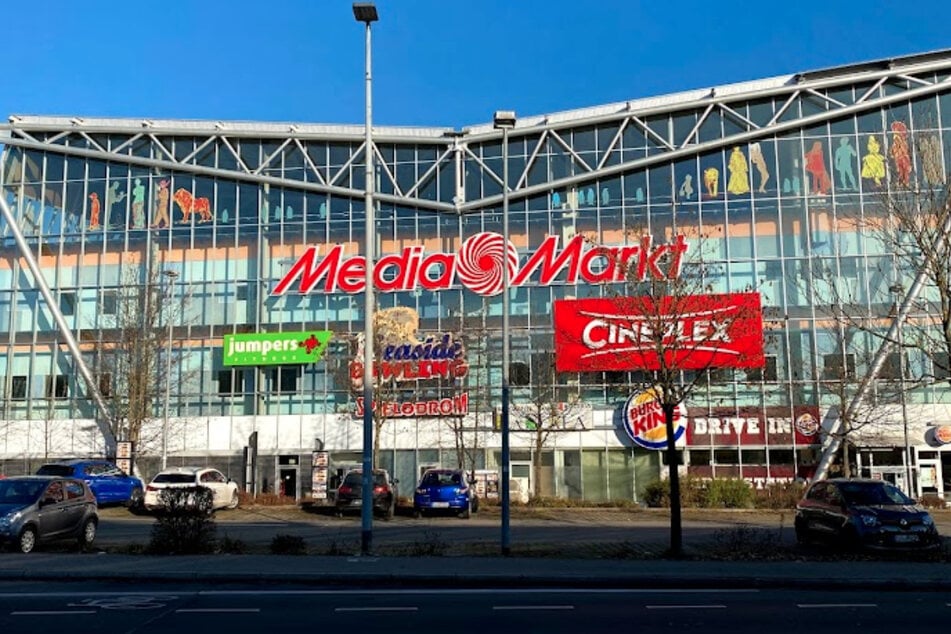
[643, 419]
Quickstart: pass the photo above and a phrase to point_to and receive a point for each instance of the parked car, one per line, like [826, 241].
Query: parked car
[36, 509]
[109, 483]
[863, 514]
[224, 490]
[445, 490]
[385, 493]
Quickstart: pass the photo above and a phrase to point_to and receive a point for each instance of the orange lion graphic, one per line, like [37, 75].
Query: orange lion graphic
[189, 205]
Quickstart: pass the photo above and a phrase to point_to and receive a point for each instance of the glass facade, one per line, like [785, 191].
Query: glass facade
[213, 215]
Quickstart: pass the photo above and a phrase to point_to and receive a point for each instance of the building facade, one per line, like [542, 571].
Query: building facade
[209, 218]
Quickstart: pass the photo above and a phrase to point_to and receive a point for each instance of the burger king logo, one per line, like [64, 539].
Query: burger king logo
[943, 434]
[807, 425]
[644, 419]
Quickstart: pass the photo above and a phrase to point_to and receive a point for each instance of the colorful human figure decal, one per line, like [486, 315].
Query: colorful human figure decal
[873, 163]
[138, 205]
[816, 167]
[843, 160]
[189, 205]
[686, 188]
[931, 159]
[739, 182]
[113, 197]
[639, 195]
[900, 152]
[95, 208]
[711, 181]
[161, 205]
[759, 162]
[589, 197]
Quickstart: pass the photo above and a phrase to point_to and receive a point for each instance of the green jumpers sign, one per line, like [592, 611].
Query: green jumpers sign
[275, 348]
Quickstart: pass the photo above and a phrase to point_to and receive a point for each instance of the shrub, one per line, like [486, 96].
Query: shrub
[932, 501]
[288, 545]
[231, 546]
[185, 525]
[779, 495]
[432, 545]
[657, 494]
[692, 494]
[729, 493]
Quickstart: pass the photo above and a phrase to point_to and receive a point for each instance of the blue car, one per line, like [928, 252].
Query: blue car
[445, 490]
[108, 482]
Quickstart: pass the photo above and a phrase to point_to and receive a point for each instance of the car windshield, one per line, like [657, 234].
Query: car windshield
[355, 479]
[441, 478]
[20, 492]
[175, 478]
[59, 470]
[861, 494]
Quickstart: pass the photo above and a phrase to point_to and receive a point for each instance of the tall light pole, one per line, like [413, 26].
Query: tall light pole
[171, 276]
[366, 12]
[898, 290]
[504, 120]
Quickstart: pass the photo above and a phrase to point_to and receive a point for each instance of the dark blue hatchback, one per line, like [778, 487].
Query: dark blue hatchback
[108, 482]
[445, 490]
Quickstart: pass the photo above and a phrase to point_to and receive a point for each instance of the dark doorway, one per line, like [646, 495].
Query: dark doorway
[289, 483]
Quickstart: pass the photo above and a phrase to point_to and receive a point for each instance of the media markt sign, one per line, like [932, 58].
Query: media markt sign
[275, 348]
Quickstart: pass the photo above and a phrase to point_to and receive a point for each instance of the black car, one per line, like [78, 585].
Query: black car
[863, 514]
[385, 494]
[36, 509]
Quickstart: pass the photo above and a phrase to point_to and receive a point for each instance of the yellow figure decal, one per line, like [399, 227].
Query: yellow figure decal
[739, 182]
[711, 180]
[873, 163]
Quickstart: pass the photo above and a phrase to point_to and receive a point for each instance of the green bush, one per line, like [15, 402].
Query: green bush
[728, 493]
[779, 495]
[185, 525]
[657, 494]
[692, 493]
[288, 545]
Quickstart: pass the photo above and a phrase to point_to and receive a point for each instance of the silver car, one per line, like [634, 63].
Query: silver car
[34, 509]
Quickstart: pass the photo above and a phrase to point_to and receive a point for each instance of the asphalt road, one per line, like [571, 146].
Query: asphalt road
[152, 608]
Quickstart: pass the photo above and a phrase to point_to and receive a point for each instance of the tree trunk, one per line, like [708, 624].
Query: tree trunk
[676, 528]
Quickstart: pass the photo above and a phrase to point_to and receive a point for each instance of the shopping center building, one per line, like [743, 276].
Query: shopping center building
[218, 233]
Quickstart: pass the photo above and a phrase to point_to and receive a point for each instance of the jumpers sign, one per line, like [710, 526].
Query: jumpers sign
[692, 332]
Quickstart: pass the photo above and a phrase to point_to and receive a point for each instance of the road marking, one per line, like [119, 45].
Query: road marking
[157, 595]
[217, 610]
[533, 607]
[51, 612]
[836, 605]
[418, 591]
[378, 609]
[686, 607]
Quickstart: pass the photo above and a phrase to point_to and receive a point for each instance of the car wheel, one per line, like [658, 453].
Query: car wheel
[88, 534]
[27, 541]
[234, 501]
[417, 512]
[136, 499]
[475, 504]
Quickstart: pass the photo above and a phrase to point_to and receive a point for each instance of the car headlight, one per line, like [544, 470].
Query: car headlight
[869, 520]
[420, 491]
[10, 518]
[927, 520]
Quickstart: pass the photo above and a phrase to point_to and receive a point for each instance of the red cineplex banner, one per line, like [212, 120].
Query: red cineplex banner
[692, 332]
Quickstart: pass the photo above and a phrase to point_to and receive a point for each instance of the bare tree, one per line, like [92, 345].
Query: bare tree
[672, 326]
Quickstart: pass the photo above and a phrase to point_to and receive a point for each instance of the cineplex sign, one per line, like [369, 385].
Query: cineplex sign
[478, 266]
[693, 332]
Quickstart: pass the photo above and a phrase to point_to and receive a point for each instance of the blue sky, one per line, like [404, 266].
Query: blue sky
[436, 62]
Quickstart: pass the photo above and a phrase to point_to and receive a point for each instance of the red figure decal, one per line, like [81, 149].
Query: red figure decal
[95, 208]
[816, 167]
[311, 344]
[901, 153]
[189, 205]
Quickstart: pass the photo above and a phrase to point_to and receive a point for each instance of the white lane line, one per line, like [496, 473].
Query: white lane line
[713, 606]
[51, 612]
[533, 607]
[157, 595]
[378, 609]
[217, 610]
[507, 592]
[836, 605]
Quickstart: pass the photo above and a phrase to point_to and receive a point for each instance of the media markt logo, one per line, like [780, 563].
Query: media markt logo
[275, 348]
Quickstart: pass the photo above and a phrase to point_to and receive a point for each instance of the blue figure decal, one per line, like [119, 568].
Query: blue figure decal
[605, 196]
[639, 195]
[555, 201]
[322, 210]
[844, 159]
[590, 196]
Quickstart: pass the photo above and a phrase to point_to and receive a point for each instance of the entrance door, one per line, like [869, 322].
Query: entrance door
[929, 475]
[288, 482]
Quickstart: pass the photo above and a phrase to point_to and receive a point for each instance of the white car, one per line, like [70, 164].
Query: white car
[224, 490]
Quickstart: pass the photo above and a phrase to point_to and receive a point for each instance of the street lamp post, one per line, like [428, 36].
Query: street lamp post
[504, 120]
[366, 12]
[898, 289]
[171, 276]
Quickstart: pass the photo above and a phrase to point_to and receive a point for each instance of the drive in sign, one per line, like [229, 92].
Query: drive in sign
[275, 348]
[694, 332]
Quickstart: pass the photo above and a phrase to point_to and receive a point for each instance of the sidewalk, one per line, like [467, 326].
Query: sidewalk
[475, 571]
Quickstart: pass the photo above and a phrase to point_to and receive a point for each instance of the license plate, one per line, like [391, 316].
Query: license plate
[356, 502]
[440, 505]
[906, 538]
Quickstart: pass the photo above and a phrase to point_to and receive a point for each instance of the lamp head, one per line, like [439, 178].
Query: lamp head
[504, 120]
[365, 12]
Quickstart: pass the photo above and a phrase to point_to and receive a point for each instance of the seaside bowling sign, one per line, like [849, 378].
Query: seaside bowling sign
[643, 419]
[691, 332]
